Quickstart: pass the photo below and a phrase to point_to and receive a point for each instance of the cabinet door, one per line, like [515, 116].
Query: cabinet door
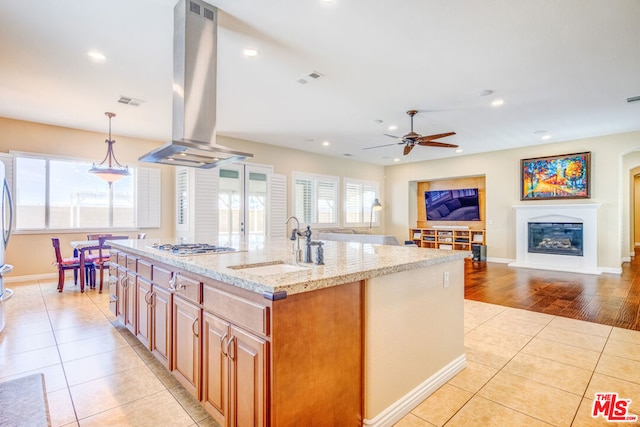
[161, 326]
[128, 318]
[215, 366]
[121, 294]
[186, 345]
[143, 312]
[248, 382]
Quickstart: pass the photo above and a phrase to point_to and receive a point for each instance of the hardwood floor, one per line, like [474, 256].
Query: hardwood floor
[609, 299]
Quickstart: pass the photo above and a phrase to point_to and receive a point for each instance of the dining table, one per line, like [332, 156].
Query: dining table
[80, 248]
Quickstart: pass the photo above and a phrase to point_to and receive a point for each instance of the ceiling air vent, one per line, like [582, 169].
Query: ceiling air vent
[134, 102]
[308, 78]
[633, 99]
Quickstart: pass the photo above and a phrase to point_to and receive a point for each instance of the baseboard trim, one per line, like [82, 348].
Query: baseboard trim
[406, 404]
[612, 270]
[500, 260]
[30, 277]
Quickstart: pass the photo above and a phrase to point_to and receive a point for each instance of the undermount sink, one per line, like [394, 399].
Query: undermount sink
[276, 267]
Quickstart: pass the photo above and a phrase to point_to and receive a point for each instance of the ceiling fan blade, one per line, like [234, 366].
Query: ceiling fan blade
[393, 136]
[436, 144]
[436, 136]
[385, 145]
[408, 148]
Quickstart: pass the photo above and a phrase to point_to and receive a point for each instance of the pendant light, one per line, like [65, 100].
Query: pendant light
[112, 170]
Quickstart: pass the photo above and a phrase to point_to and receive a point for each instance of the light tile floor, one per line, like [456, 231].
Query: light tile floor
[96, 372]
[533, 369]
[523, 368]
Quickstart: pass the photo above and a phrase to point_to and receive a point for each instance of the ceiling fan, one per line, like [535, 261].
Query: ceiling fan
[412, 138]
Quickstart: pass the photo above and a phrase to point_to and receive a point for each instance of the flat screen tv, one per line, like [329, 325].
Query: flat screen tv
[452, 205]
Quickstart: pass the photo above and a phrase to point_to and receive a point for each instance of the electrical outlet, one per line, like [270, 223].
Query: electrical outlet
[445, 279]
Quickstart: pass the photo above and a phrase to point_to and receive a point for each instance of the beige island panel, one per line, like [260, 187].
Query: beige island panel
[405, 310]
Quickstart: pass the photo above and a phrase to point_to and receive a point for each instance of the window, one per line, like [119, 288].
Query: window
[57, 194]
[315, 199]
[358, 199]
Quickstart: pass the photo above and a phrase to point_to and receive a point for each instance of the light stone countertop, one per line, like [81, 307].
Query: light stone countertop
[345, 262]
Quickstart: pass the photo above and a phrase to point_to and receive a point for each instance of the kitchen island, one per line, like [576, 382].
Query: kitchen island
[261, 340]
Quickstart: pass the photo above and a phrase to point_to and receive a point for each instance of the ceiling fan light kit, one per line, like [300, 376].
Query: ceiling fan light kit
[412, 139]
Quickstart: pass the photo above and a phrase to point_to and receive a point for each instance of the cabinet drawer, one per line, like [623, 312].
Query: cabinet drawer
[121, 259]
[239, 311]
[113, 270]
[187, 288]
[144, 269]
[131, 262]
[161, 276]
[184, 286]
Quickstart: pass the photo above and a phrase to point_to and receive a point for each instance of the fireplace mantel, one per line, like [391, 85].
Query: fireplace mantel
[585, 213]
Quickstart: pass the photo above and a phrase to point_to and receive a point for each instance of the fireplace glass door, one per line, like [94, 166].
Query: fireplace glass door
[555, 238]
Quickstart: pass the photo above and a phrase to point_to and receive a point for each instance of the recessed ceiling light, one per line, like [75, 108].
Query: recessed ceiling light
[97, 56]
[393, 127]
[250, 52]
[325, 143]
[546, 137]
[396, 159]
[497, 103]
[485, 92]
[459, 150]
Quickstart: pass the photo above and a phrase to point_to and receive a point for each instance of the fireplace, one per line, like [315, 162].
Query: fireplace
[557, 238]
[569, 229]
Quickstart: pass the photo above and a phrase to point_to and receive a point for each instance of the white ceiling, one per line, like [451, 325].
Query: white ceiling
[565, 67]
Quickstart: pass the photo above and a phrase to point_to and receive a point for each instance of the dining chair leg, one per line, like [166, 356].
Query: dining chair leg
[60, 280]
[101, 278]
[75, 276]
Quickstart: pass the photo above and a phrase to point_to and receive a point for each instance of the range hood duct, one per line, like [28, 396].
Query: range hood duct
[194, 92]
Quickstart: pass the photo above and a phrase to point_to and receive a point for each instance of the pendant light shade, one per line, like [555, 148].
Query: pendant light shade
[110, 169]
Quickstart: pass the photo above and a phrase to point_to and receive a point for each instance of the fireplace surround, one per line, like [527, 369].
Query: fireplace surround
[580, 223]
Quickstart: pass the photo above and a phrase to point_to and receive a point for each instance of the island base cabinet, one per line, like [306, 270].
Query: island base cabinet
[186, 345]
[234, 389]
[143, 313]
[215, 372]
[247, 379]
[161, 325]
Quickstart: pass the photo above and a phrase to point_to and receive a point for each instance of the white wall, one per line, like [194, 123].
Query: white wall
[609, 186]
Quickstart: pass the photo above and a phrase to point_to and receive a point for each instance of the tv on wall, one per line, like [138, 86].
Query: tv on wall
[452, 205]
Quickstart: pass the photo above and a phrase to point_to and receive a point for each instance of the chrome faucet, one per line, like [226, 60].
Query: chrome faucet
[297, 253]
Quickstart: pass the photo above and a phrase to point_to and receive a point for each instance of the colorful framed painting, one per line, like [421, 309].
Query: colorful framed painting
[556, 177]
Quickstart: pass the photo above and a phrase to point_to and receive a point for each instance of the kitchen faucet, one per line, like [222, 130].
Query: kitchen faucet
[294, 237]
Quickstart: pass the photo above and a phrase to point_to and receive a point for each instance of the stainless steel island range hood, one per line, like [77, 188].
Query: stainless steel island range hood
[194, 92]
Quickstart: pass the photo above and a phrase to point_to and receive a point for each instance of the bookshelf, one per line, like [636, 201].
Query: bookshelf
[443, 238]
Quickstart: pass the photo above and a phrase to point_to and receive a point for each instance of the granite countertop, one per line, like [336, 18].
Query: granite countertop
[345, 262]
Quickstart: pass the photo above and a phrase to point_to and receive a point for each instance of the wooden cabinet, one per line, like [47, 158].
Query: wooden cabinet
[186, 328]
[144, 312]
[215, 367]
[161, 325]
[250, 361]
[247, 356]
[234, 370]
[442, 238]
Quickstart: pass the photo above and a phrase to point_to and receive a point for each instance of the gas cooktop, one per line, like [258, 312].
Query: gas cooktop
[192, 248]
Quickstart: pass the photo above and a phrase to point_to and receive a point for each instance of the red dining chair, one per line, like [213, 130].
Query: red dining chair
[101, 260]
[64, 264]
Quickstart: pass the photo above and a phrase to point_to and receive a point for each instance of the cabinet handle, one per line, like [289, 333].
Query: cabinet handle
[193, 328]
[229, 347]
[152, 298]
[174, 283]
[147, 297]
[222, 344]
